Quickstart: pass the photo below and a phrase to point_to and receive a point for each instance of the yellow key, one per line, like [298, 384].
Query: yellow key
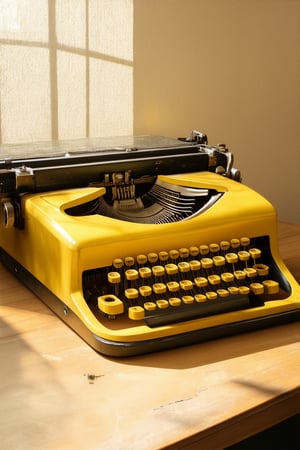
[162, 304]
[244, 290]
[272, 287]
[159, 288]
[158, 271]
[175, 301]
[239, 274]
[245, 241]
[211, 295]
[136, 313]
[231, 258]
[201, 281]
[214, 279]
[233, 290]
[145, 291]
[243, 255]
[219, 260]
[187, 299]
[228, 277]
[110, 304]
[250, 272]
[204, 249]
[114, 277]
[194, 251]
[129, 261]
[261, 269]
[195, 265]
[132, 274]
[173, 286]
[184, 252]
[186, 285]
[145, 272]
[235, 243]
[118, 263]
[131, 293]
[224, 245]
[150, 306]
[174, 254]
[214, 248]
[183, 266]
[255, 253]
[163, 256]
[152, 257]
[200, 298]
[257, 288]
[141, 259]
[171, 269]
[207, 263]
[223, 292]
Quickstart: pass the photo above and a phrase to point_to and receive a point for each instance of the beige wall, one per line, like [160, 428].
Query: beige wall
[230, 68]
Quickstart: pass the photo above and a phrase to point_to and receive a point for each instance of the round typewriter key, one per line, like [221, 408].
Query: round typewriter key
[186, 285]
[244, 290]
[159, 288]
[231, 258]
[129, 261]
[214, 248]
[239, 274]
[257, 288]
[206, 263]
[145, 272]
[141, 259]
[250, 272]
[214, 279]
[233, 290]
[194, 251]
[211, 295]
[243, 255]
[245, 241]
[227, 277]
[261, 269]
[152, 257]
[183, 266]
[255, 253]
[145, 291]
[131, 293]
[114, 277]
[171, 269]
[201, 281]
[223, 292]
[158, 271]
[184, 252]
[200, 298]
[150, 306]
[272, 287]
[136, 313]
[174, 254]
[195, 265]
[175, 301]
[219, 260]
[131, 274]
[187, 299]
[118, 263]
[111, 305]
[224, 245]
[173, 286]
[163, 256]
[162, 304]
[204, 249]
[235, 243]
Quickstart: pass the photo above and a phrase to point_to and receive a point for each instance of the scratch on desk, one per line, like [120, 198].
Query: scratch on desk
[51, 357]
[182, 400]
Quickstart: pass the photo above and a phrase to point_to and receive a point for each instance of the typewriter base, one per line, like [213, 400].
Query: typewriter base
[124, 349]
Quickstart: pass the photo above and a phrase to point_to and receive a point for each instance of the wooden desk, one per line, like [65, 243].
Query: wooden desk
[209, 395]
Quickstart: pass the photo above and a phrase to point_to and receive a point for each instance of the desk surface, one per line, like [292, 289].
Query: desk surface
[58, 394]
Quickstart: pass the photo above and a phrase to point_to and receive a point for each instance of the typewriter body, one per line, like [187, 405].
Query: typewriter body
[143, 243]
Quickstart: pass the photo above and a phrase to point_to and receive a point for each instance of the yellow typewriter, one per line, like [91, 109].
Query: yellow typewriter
[143, 243]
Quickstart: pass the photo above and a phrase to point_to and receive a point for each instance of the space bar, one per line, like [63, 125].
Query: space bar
[183, 312]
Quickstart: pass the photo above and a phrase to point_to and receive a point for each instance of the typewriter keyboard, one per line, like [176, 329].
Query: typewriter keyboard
[186, 283]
